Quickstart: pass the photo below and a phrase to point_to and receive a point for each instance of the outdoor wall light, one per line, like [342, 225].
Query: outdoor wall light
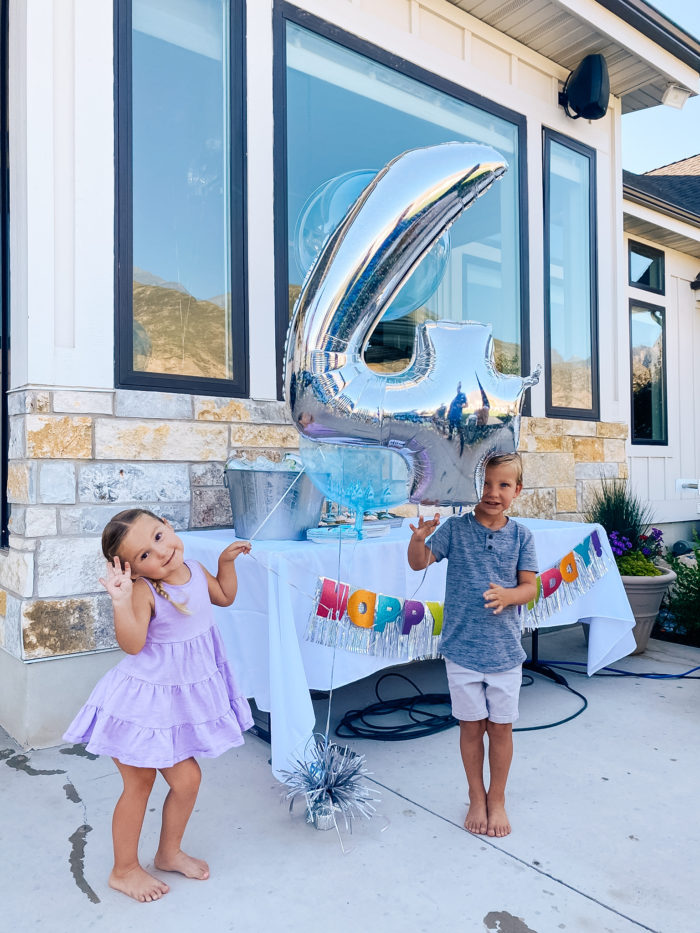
[695, 284]
[587, 89]
[675, 95]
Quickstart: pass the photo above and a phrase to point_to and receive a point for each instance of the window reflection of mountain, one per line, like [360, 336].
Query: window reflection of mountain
[168, 341]
[647, 364]
[571, 381]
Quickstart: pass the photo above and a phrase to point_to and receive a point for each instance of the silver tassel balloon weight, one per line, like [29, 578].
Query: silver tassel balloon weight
[330, 779]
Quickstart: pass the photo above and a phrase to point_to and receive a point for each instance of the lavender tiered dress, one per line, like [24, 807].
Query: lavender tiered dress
[177, 698]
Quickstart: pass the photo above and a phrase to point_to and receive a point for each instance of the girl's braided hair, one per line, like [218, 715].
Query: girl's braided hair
[114, 533]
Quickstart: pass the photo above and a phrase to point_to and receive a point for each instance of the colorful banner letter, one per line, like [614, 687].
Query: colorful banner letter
[333, 599]
[361, 608]
[413, 613]
[388, 610]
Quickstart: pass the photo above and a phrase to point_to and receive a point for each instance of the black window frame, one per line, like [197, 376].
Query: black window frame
[551, 410]
[650, 253]
[284, 12]
[645, 442]
[126, 377]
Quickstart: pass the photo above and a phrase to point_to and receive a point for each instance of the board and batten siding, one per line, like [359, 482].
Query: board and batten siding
[655, 469]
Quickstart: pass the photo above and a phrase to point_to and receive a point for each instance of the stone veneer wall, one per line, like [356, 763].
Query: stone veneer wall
[563, 460]
[79, 456]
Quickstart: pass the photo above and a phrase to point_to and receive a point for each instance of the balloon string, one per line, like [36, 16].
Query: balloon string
[311, 597]
[422, 581]
[265, 566]
[262, 525]
[277, 574]
[335, 641]
[277, 504]
[337, 614]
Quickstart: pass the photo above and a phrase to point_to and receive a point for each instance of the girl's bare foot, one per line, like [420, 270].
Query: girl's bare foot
[138, 884]
[476, 821]
[187, 865]
[498, 824]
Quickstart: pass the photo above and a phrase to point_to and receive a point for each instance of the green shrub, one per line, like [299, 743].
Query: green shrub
[625, 518]
[683, 599]
[635, 564]
[617, 508]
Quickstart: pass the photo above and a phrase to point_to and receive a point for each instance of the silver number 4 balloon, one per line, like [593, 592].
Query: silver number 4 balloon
[450, 409]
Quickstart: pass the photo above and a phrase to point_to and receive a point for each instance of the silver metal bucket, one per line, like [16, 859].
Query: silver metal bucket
[257, 494]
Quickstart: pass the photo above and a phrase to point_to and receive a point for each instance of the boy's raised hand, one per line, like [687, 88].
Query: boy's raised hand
[235, 550]
[425, 526]
[118, 584]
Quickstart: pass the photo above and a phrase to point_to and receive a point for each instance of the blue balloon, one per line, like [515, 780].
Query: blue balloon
[326, 208]
[362, 478]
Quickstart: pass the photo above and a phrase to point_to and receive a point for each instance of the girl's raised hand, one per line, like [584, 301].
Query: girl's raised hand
[234, 550]
[118, 584]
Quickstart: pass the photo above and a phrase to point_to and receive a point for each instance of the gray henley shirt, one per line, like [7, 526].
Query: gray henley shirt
[472, 635]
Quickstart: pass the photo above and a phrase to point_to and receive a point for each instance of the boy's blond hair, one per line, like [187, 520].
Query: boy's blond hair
[502, 459]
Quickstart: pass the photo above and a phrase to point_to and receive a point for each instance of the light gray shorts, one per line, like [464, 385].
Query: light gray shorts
[476, 695]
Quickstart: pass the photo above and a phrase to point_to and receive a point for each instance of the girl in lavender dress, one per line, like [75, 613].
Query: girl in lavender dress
[173, 697]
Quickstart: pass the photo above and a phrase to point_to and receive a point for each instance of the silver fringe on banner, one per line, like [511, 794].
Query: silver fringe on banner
[331, 625]
[358, 620]
[561, 585]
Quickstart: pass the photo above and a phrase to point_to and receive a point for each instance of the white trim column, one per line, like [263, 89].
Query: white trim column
[62, 192]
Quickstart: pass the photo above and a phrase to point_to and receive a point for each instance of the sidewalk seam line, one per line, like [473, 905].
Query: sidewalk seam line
[540, 871]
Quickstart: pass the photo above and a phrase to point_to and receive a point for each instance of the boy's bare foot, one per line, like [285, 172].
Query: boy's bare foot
[498, 824]
[138, 884]
[187, 865]
[476, 821]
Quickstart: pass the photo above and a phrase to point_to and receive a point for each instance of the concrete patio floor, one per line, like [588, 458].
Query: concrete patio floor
[606, 826]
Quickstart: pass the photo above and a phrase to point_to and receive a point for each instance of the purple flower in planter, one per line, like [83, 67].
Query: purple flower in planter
[619, 543]
[651, 544]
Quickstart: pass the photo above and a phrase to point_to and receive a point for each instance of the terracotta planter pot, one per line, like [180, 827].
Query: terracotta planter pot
[645, 595]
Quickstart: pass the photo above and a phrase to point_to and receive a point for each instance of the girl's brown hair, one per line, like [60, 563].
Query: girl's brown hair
[114, 533]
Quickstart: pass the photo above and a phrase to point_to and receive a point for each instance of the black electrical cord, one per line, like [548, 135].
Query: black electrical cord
[422, 721]
[560, 722]
[355, 724]
[618, 672]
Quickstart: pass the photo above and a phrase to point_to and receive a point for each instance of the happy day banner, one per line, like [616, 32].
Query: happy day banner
[360, 620]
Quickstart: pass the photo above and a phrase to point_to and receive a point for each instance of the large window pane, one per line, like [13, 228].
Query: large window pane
[347, 116]
[182, 302]
[570, 278]
[648, 374]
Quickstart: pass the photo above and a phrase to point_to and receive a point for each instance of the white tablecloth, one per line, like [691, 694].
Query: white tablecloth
[264, 629]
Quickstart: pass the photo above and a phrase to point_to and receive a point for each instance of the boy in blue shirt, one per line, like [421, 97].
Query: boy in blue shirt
[491, 571]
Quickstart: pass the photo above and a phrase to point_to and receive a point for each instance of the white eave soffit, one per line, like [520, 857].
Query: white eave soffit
[642, 59]
[668, 231]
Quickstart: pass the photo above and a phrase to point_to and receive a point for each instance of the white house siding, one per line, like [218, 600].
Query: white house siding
[62, 193]
[80, 449]
[654, 470]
